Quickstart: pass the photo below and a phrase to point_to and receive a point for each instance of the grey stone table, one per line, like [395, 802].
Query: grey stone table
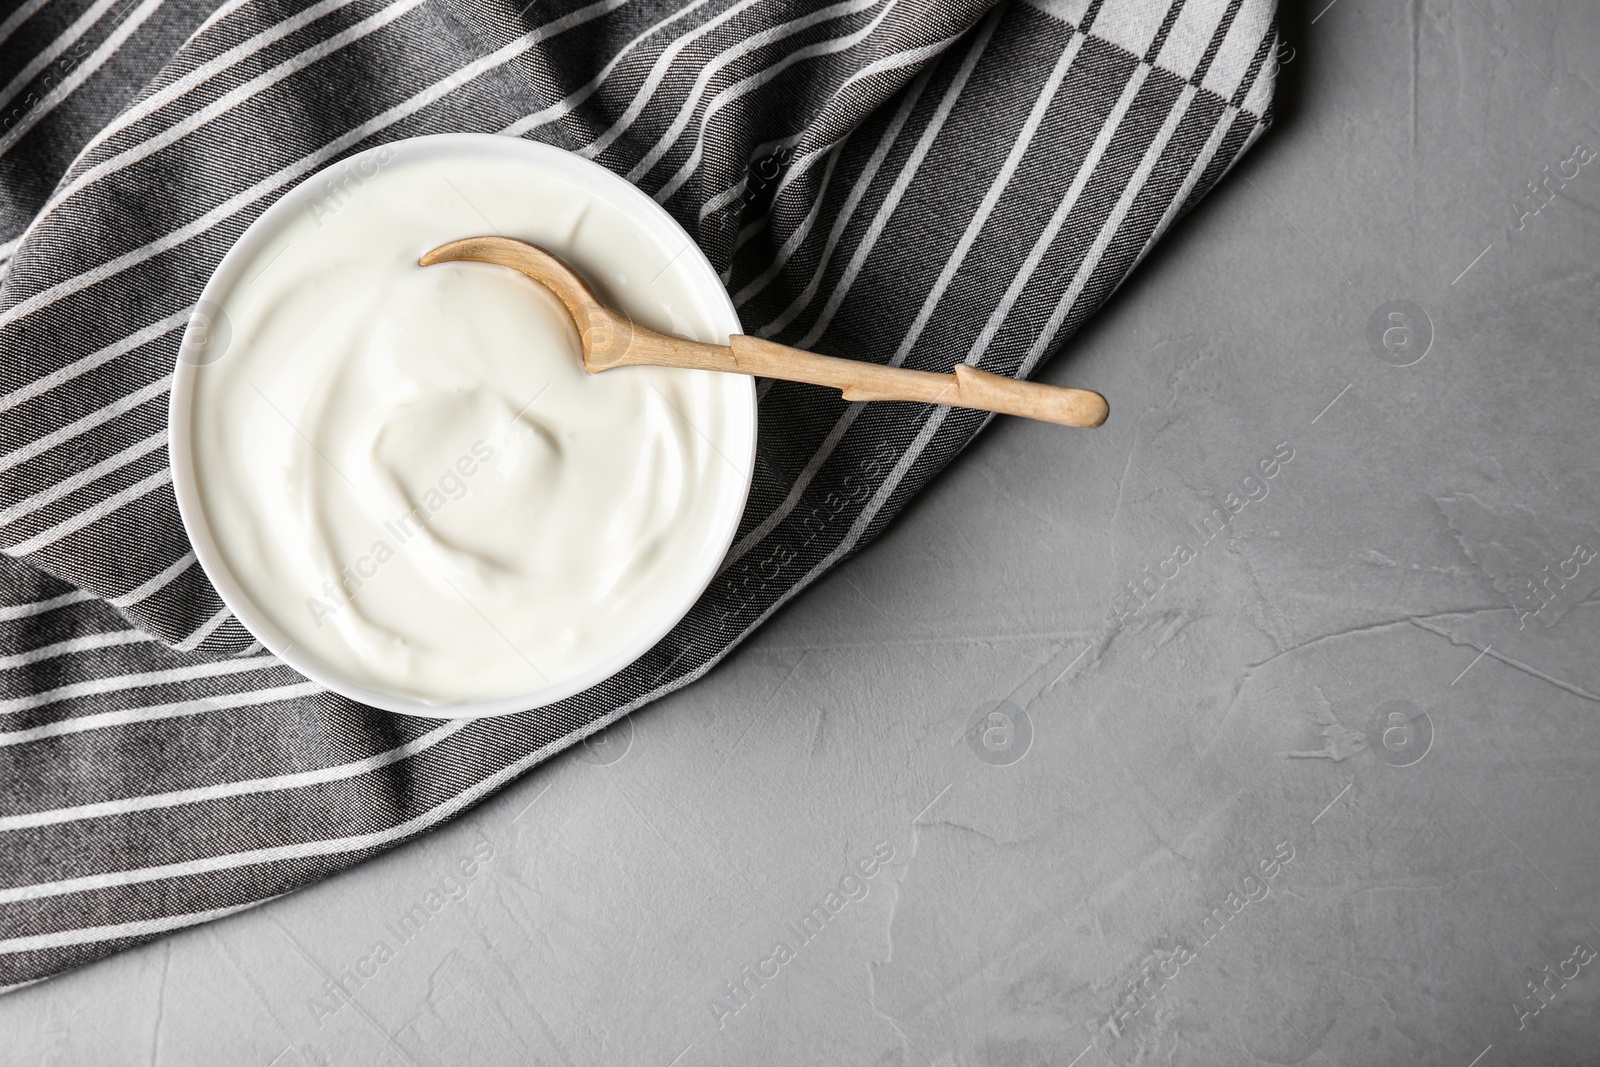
[1029, 783]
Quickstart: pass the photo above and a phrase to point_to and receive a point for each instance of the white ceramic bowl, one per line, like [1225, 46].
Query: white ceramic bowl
[692, 267]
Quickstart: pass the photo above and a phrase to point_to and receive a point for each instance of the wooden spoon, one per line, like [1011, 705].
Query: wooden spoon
[611, 339]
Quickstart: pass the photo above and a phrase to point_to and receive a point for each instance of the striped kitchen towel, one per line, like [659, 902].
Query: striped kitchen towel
[914, 182]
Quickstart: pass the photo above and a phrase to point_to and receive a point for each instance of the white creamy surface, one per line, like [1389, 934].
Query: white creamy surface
[407, 470]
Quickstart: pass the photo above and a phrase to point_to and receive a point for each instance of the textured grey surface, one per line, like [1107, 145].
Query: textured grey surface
[1174, 755]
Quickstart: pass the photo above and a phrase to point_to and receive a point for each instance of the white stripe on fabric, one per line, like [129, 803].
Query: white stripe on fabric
[997, 188]
[710, 70]
[200, 794]
[1108, 230]
[1259, 96]
[133, 596]
[847, 211]
[80, 478]
[117, 932]
[80, 74]
[902, 182]
[18, 17]
[51, 52]
[205, 630]
[160, 712]
[1196, 170]
[88, 363]
[207, 70]
[229, 100]
[192, 673]
[756, 154]
[272, 183]
[867, 514]
[748, 232]
[214, 66]
[215, 17]
[652, 81]
[767, 147]
[751, 83]
[802, 164]
[86, 643]
[727, 196]
[39, 607]
[891, 200]
[801, 232]
[93, 514]
[40, 445]
[797, 490]
[250, 857]
[561, 108]
[734, 191]
[876, 67]
[1058, 217]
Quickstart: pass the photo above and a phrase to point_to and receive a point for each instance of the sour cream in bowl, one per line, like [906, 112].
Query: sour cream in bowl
[401, 479]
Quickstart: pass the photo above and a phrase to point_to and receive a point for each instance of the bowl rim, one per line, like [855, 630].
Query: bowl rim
[702, 279]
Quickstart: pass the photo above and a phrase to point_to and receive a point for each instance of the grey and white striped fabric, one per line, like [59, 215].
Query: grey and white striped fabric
[907, 181]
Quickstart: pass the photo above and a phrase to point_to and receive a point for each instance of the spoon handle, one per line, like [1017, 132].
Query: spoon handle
[967, 387]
